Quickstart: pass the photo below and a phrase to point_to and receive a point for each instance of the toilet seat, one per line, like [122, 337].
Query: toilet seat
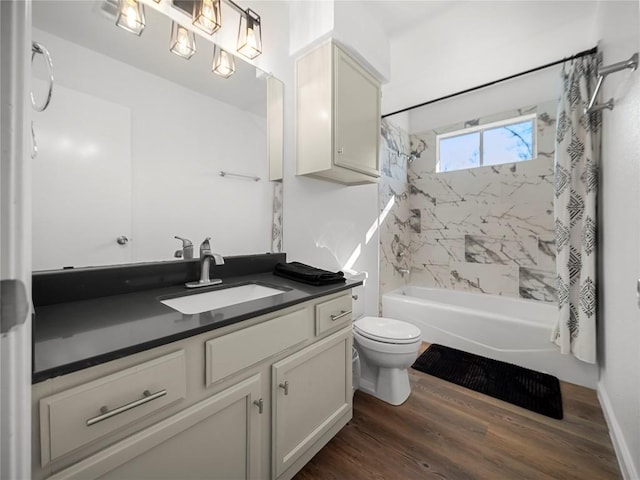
[387, 330]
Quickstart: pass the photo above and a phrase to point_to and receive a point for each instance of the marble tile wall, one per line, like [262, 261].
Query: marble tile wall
[276, 227]
[397, 220]
[487, 229]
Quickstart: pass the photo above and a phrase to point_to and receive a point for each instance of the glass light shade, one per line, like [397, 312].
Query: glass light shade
[224, 64]
[250, 35]
[207, 15]
[131, 16]
[183, 41]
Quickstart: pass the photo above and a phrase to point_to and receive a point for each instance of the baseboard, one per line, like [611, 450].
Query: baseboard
[625, 459]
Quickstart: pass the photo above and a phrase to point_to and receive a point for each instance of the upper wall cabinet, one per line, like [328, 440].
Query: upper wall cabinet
[338, 117]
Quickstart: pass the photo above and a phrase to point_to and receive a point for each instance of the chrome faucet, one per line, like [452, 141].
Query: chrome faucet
[187, 249]
[205, 261]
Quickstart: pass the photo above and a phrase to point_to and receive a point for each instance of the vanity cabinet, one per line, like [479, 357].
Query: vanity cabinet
[218, 409]
[311, 392]
[338, 117]
[220, 434]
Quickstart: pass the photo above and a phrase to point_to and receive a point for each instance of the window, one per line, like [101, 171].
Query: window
[508, 141]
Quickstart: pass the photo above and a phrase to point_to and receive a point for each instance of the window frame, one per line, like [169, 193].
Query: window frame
[489, 126]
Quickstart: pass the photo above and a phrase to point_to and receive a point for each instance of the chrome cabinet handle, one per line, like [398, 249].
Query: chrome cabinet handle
[260, 404]
[343, 313]
[285, 387]
[340, 150]
[106, 413]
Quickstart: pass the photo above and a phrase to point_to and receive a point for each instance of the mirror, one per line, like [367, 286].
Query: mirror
[131, 148]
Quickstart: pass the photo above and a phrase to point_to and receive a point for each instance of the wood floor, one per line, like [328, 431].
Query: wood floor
[444, 431]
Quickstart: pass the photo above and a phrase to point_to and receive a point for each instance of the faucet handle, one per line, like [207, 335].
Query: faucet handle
[205, 246]
[185, 241]
[187, 249]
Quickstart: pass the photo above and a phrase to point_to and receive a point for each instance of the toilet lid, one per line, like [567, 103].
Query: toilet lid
[387, 330]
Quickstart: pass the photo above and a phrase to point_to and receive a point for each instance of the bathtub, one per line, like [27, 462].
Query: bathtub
[503, 328]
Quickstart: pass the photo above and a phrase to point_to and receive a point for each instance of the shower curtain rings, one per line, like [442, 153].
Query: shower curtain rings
[39, 48]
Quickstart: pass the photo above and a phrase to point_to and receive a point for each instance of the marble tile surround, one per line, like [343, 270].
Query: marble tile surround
[397, 220]
[487, 229]
[276, 227]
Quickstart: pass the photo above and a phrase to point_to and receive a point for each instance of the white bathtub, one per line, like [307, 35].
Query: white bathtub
[503, 328]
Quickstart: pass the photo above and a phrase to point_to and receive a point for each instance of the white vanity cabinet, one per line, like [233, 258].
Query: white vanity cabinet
[216, 438]
[217, 410]
[311, 392]
[338, 117]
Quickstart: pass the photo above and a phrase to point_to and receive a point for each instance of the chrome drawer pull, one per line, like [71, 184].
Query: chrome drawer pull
[106, 413]
[343, 313]
[285, 387]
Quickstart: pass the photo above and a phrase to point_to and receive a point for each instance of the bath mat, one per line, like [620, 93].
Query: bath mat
[520, 386]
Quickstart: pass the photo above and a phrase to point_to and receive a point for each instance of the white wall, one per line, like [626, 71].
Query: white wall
[349, 22]
[179, 141]
[470, 43]
[326, 224]
[619, 321]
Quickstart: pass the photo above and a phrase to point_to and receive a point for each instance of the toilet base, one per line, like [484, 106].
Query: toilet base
[391, 385]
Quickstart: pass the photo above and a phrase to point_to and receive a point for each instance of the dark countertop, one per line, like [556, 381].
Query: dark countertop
[78, 334]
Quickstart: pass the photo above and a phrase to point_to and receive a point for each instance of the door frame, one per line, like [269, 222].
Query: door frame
[15, 239]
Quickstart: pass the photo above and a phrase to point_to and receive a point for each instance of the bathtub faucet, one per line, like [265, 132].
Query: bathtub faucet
[404, 271]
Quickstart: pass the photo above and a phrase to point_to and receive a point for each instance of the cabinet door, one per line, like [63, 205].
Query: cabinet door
[357, 116]
[218, 438]
[312, 391]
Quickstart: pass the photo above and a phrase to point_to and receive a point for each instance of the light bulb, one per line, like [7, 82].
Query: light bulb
[206, 15]
[225, 68]
[223, 63]
[251, 39]
[249, 35]
[131, 16]
[182, 41]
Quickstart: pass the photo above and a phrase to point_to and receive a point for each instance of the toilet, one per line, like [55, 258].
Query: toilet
[386, 348]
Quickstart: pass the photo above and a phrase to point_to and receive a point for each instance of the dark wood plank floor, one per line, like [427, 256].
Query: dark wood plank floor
[444, 431]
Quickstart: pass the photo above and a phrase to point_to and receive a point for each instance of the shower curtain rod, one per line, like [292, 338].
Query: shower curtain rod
[584, 53]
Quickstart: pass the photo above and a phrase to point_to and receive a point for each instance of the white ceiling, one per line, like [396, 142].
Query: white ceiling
[86, 24]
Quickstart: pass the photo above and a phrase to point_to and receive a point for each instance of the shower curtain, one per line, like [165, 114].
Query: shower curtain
[576, 182]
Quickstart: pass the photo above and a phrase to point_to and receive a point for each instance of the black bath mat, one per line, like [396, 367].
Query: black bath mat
[526, 388]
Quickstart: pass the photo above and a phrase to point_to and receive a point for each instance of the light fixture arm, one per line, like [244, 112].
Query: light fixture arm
[235, 6]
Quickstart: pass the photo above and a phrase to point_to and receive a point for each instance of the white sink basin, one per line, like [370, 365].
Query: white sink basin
[203, 302]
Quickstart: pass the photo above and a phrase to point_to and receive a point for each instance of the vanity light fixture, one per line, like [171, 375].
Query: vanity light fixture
[183, 41]
[131, 16]
[249, 34]
[207, 15]
[224, 63]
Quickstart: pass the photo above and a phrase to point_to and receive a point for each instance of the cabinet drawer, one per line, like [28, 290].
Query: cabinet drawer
[333, 314]
[236, 351]
[75, 417]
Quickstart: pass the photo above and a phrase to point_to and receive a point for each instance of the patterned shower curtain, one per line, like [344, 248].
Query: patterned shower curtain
[577, 156]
